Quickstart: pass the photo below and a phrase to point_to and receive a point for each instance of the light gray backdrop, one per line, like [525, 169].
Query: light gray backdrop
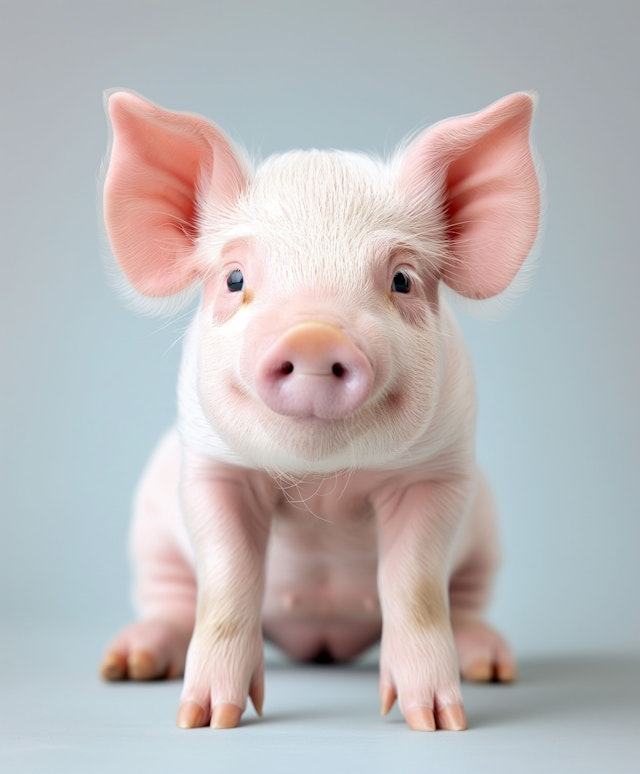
[87, 386]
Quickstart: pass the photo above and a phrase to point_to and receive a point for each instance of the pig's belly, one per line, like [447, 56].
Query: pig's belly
[321, 594]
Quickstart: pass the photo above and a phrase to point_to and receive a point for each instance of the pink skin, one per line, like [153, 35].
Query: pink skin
[326, 406]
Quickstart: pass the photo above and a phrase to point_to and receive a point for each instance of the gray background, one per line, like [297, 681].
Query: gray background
[87, 387]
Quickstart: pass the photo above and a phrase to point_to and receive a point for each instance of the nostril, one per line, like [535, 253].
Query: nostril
[286, 368]
[338, 370]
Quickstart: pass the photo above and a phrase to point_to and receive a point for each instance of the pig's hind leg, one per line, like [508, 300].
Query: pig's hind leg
[155, 646]
[483, 653]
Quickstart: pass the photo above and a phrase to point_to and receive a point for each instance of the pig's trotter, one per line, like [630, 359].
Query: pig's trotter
[219, 677]
[422, 676]
[147, 650]
[483, 654]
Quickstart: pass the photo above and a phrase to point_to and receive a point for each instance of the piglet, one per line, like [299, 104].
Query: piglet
[320, 487]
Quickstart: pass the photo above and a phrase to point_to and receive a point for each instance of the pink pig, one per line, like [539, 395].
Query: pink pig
[321, 485]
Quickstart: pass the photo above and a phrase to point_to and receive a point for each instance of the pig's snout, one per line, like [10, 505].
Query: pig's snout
[314, 370]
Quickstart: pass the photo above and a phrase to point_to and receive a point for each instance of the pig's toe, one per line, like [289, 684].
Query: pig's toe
[114, 666]
[192, 715]
[483, 654]
[420, 719]
[143, 665]
[225, 716]
[452, 717]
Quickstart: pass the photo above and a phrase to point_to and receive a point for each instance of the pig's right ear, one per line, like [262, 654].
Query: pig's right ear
[162, 165]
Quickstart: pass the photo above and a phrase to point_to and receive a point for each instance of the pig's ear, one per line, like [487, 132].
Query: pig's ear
[162, 165]
[482, 167]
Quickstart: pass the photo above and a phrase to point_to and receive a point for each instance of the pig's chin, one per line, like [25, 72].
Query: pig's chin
[290, 444]
[305, 444]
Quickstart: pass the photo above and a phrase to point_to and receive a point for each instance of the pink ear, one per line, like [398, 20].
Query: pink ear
[161, 162]
[483, 166]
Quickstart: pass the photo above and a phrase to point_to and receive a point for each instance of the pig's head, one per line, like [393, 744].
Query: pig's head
[319, 341]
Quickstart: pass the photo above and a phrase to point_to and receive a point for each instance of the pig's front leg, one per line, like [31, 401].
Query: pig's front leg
[228, 517]
[418, 664]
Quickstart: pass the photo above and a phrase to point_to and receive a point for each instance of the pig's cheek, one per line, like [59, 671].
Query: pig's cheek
[415, 374]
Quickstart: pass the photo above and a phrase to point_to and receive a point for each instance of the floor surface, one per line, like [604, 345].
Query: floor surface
[568, 713]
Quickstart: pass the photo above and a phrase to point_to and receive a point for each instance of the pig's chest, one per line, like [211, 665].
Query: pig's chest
[322, 559]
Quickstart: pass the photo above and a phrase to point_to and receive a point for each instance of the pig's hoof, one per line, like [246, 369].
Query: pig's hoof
[147, 650]
[193, 715]
[483, 654]
[449, 717]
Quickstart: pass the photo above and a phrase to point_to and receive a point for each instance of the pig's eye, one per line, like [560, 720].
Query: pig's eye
[401, 282]
[235, 281]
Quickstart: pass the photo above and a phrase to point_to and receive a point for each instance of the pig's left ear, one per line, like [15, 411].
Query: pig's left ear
[483, 169]
[161, 165]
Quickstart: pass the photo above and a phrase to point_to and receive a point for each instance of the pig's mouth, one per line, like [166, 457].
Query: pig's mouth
[315, 444]
[287, 443]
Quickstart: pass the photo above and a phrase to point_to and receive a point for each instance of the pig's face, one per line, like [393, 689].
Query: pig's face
[319, 342]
